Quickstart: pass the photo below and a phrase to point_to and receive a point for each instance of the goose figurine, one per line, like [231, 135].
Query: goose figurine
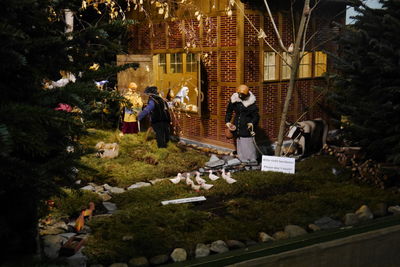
[177, 179]
[195, 187]
[198, 179]
[206, 186]
[212, 176]
[188, 180]
[230, 180]
[225, 175]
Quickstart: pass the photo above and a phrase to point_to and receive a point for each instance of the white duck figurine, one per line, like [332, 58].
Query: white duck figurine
[177, 179]
[198, 179]
[206, 186]
[188, 180]
[212, 176]
[195, 187]
[225, 175]
[230, 180]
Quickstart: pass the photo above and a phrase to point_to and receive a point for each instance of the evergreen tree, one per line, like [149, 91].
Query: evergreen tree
[34, 137]
[368, 83]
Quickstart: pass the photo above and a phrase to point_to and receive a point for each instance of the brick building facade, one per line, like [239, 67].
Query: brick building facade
[232, 54]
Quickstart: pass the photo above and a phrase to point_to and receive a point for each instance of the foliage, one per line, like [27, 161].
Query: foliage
[368, 84]
[71, 202]
[34, 49]
[259, 201]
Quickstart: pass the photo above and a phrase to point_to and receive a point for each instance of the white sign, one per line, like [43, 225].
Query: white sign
[183, 200]
[278, 164]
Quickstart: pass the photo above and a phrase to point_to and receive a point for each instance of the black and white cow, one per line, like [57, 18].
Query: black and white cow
[309, 135]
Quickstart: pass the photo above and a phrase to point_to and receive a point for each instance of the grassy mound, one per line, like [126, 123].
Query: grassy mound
[259, 201]
[139, 159]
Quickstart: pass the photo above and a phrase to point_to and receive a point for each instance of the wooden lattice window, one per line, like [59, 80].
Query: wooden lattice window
[162, 63]
[176, 63]
[305, 66]
[286, 62]
[191, 63]
[320, 63]
[269, 66]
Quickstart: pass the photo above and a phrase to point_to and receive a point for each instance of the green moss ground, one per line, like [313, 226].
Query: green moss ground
[259, 201]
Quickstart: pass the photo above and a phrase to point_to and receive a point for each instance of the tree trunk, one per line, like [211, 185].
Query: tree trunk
[293, 76]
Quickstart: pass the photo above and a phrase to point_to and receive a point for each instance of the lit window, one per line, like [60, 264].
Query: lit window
[269, 66]
[286, 62]
[305, 66]
[176, 63]
[320, 63]
[191, 63]
[162, 63]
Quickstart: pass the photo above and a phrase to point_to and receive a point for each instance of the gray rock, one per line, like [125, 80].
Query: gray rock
[88, 188]
[280, 235]
[234, 244]
[119, 264]
[98, 188]
[327, 223]
[228, 157]
[394, 209]
[214, 164]
[219, 246]
[105, 196]
[77, 260]
[213, 158]
[52, 245]
[127, 237]
[116, 190]
[364, 213]
[202, 250]
[138, 185]
[106, 187]
[54, 229]
[110, 207]
[138, 262]
[350, 219]
[264, 237]
[67, 235]
[294, 230]
[313, 227]
[233, 162]
[178, 255]
[159, 259]
[256, 167]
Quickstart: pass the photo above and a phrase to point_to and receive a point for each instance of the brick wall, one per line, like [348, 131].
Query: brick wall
[211, 66]
[250, 34]
[174, 35]
[287, 29]
[192, 33]
[228, 66]
[269, 30]
[228, 30]
[161, 41]
[210, 32]
[221, 68]
[252, 70]
[212, 95]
